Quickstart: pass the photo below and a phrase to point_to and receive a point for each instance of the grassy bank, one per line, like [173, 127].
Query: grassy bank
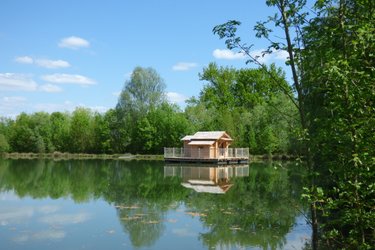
[76, 156]
[69, 156]
[275, 157]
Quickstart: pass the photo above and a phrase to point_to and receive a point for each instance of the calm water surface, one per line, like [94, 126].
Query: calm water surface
[93, 204]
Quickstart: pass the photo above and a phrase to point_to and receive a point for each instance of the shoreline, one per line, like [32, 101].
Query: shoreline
[79, 156]
[126, 157]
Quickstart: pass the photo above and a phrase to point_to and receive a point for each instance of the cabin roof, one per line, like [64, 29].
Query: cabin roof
[208, 135]
[201, 143]
[204, 186]
[187, 138]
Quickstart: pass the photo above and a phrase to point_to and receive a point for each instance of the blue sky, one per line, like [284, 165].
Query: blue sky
[57, 55]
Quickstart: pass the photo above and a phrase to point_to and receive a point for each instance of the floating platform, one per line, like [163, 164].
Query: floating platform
[210, 155]
[219, 161]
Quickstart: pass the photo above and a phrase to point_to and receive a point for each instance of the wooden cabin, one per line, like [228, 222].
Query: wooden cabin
[207, 146]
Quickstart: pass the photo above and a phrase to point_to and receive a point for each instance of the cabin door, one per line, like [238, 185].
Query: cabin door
[222, 150]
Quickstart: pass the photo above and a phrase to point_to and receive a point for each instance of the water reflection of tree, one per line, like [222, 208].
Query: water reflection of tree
[139, 191]
[258, 211]
[142, 198]
[143, 223]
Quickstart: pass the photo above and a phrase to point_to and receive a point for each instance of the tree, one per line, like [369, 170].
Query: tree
[245, 103]
[338, 61]
[31, 133]
[81, 131]
[171, 125]
[143, 92]
[41, 126]
[60, 125]
[161, 127]
[5, 125]
[119, 134]
[4, 145]
[102, 134]
[331, 57]
[217, 92]
[199, 116]
[290, 19]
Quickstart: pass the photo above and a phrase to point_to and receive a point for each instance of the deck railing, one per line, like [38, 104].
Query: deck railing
[205, 153]
[203, 172]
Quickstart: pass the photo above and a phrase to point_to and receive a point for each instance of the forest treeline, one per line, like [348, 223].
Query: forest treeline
[242, 102]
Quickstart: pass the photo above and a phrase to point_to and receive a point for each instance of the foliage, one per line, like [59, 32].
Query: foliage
[146, 121]
[31, 133]
[339, 70]
[81, 127]
[60, 125]
[331, 57]
[4, 146]
[264, 214]
[143, 91]
[246, 103]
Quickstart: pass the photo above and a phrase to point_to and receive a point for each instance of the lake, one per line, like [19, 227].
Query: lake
[109, 204]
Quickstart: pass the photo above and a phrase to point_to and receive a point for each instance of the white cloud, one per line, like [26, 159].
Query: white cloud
[10, 105]
[52, 64]
[176, 97]
[281, 55]
[184, 66]
[183, 232]
[100, 109]
[48, 209]
[73, 42]
[128, 75]
[24, 59]
[15, 215]
[68, 78]
[17, 82]
[227, 54]
[45, 63]
[257, 54]
[65, 219]
[21, 238]
[117, 93]
[50, 88]
[51, 234]
[54, 107]
[66, 106]
[8, 196]
[12, 101]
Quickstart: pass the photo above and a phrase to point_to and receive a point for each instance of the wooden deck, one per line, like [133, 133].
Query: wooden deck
[218, 161]
[226, 156]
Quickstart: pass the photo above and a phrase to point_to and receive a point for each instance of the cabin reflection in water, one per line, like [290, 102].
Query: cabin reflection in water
[207, 179]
